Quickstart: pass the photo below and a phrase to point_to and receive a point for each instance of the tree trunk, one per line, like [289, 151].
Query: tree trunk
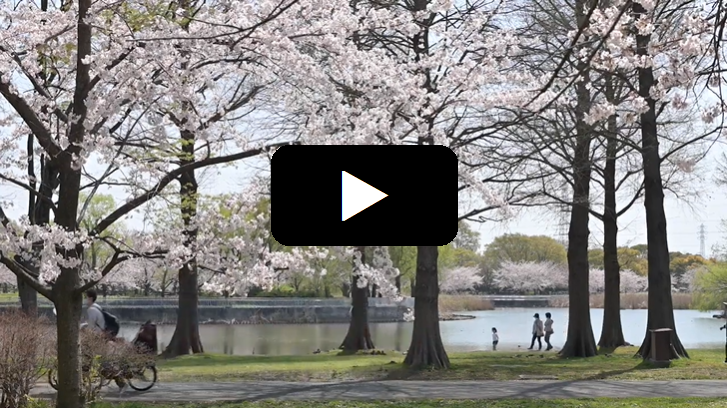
[661, 313]
[611, 331]
[426, 348]
[39, 209]
[186, 333]
[67, 298]
[397, 282]
[346, 289]
[68, 310]
[374, 290]
[580, 341]
[359, 335]
[164, 285]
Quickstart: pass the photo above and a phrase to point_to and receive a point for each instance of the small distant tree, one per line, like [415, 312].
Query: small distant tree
[710, 287]
[523, 248]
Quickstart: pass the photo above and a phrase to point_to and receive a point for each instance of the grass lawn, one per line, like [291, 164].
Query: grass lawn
[703, 364]
[513, 403]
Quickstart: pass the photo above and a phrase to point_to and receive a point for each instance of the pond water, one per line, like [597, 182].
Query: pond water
[696, 330]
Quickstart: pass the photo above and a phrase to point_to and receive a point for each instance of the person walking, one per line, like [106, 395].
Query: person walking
[548, 331]
[537, 332]
[495, 339]
[94, 315]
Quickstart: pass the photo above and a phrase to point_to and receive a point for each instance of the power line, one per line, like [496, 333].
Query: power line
[702, 240]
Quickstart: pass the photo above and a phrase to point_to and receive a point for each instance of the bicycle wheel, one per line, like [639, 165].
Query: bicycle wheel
[144, 379]
[53, 379]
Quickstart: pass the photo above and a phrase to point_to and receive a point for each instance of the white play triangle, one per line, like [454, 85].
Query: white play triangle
[357, 196]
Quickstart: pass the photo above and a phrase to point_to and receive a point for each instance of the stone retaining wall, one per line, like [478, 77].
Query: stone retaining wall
[249, 311]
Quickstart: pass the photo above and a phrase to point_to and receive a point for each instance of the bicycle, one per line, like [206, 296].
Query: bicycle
[109, 372]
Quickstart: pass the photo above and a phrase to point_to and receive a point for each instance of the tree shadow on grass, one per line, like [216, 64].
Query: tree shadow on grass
[643, 365]
[571, 369]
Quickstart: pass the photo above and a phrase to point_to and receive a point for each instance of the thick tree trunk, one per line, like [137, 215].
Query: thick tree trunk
[611, 331]
[359, 335]
[28, 297]
[186, 339]
[66, 294]
[397, 282]
[580, 341]
[374, 290]
[68, 310]
[661, 313]
[426, 348]
[186, 333]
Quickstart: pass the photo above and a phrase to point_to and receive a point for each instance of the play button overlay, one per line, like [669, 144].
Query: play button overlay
[363, 195]
[357, 196]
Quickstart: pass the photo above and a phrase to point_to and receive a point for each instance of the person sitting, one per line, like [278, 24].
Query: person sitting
[146, 338]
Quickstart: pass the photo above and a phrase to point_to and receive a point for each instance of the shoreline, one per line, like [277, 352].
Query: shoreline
[444, 317]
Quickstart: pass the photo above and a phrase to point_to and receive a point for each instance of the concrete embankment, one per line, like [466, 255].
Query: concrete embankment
[248, 310]
[278, 310]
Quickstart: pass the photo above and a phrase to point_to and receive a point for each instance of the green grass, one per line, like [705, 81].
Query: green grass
[703, 364]
[9, 297]
[513, 403]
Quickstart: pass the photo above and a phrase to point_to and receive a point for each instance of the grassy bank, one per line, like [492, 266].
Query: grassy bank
[463, 303]
[703, 364]
[513, 403]
[628, 300]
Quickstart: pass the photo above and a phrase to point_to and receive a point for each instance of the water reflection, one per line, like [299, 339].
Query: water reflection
[696, 329]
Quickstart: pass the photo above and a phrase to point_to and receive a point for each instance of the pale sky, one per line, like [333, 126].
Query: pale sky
[683, 219]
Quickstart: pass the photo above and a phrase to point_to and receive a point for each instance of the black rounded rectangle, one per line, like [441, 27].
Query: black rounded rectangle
[420, 209]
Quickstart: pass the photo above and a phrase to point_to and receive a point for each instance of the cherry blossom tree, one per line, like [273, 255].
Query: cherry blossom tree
[81, 78]
[547, 278]
[531, 277]
[428, 62]
[377, 272]
[460, 279]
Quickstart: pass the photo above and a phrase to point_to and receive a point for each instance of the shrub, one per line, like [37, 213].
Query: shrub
[463, 303]
[26, 352]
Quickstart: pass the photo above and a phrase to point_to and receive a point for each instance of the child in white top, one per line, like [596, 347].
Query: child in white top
[495, 339]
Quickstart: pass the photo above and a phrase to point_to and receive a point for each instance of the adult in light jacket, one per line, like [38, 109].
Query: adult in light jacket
[537, 332]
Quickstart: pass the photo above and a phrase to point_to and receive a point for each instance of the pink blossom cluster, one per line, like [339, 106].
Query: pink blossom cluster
[550, 278]
[460, 279]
